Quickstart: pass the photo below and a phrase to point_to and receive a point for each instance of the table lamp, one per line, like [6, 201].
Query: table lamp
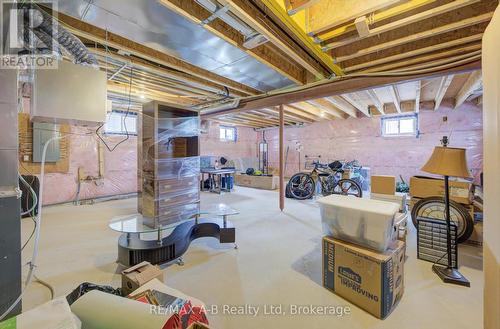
[448, 161]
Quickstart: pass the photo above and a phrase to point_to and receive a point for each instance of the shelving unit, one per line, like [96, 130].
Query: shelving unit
[168, 163]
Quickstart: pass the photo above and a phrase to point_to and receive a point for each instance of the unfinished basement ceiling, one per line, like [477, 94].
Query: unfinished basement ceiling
[154, 25]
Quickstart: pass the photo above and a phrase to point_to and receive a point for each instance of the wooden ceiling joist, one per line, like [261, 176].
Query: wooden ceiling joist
[457, 4]
[290, 114]
[420, 51]
[94, 33]
[262, 113]
[379, 105]
[232, 122]
[266, 53]
[418, 36]
[347, 85]
[327, 22]
[327, 107]
[374, 19]
[303, 115]
[426, 59]
[393, 91]
[313, 110]
[177, 76]
[353, 100]
[444, 83]
[343, 105]
[255, 18]
[294, 6]
[473, 83]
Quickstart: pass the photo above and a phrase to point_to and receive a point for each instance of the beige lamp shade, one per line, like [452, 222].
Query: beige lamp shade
[447, 161]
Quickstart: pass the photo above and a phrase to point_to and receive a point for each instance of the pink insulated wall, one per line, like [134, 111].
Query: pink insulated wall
[120, 173]
[340, 139]
[244, 147]
[360, 138]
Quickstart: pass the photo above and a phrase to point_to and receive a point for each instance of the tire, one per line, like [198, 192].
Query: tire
[433, 207]
[302, 186]
[348, 187]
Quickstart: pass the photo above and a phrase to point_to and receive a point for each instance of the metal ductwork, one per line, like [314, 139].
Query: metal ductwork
[48, 30]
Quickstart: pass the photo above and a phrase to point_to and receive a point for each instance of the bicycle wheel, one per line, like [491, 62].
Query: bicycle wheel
[348, 187]
[433, 207]
[302, 186]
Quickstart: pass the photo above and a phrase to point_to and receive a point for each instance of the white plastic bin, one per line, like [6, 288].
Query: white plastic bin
[365, 222]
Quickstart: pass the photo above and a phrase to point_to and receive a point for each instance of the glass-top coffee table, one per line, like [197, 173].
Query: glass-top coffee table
[140, 242]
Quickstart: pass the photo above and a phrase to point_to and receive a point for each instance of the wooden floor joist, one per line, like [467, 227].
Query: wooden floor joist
[454, 5]
[374, 18]
[420, 51]
[266, 53]
[418, 36]
[474, 82]
[347, 85]
[110, 39]
[253, 17]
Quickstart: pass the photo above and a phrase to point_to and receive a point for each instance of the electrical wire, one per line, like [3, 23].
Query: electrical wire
[33, 263]
[124, 118]
[47, 285]
[35, 200]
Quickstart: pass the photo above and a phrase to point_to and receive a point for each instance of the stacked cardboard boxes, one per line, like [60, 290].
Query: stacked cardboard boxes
[372, 280]
[425, 187]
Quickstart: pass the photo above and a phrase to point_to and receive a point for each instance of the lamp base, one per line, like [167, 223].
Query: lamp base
[450, 275]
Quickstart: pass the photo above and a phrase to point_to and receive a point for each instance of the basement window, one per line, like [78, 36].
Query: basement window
[400, 125]
[227, 134]
[121, 123]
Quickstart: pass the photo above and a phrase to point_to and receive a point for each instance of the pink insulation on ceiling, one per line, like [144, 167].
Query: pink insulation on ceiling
[360, 138]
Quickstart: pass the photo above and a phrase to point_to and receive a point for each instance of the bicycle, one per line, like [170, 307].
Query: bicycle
[303, 185]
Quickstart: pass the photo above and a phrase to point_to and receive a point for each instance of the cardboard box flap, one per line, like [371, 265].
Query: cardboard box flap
[137, 267]
[149, 273]
[368, 253]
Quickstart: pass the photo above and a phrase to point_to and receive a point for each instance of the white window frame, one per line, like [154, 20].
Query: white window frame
[116, 115]
[384, 120]
[225, 138]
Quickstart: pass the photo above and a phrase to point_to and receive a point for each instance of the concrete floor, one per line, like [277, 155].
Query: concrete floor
[278, 262]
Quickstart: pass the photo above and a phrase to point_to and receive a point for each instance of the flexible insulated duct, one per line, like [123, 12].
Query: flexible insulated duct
[42, 25]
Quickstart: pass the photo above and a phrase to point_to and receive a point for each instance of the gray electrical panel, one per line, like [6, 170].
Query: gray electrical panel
[42, 132]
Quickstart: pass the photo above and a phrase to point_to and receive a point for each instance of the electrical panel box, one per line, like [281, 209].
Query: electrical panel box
[42, 132]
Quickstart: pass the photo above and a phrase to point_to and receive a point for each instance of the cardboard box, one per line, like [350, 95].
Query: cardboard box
[424, 187]
[371, 280]
[383, 184]
[262, 182]
[136, 276]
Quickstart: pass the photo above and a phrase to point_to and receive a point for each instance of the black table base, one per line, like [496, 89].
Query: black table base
[132, 250]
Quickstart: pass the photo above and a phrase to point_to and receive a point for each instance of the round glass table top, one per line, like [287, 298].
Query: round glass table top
[218, 209]
[136, 223]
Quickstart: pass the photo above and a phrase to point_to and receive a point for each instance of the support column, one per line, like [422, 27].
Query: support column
[282, 158]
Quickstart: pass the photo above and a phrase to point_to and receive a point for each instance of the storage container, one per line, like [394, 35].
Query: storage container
[365, 222]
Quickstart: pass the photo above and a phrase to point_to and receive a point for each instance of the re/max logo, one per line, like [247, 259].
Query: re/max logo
[350, 274]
